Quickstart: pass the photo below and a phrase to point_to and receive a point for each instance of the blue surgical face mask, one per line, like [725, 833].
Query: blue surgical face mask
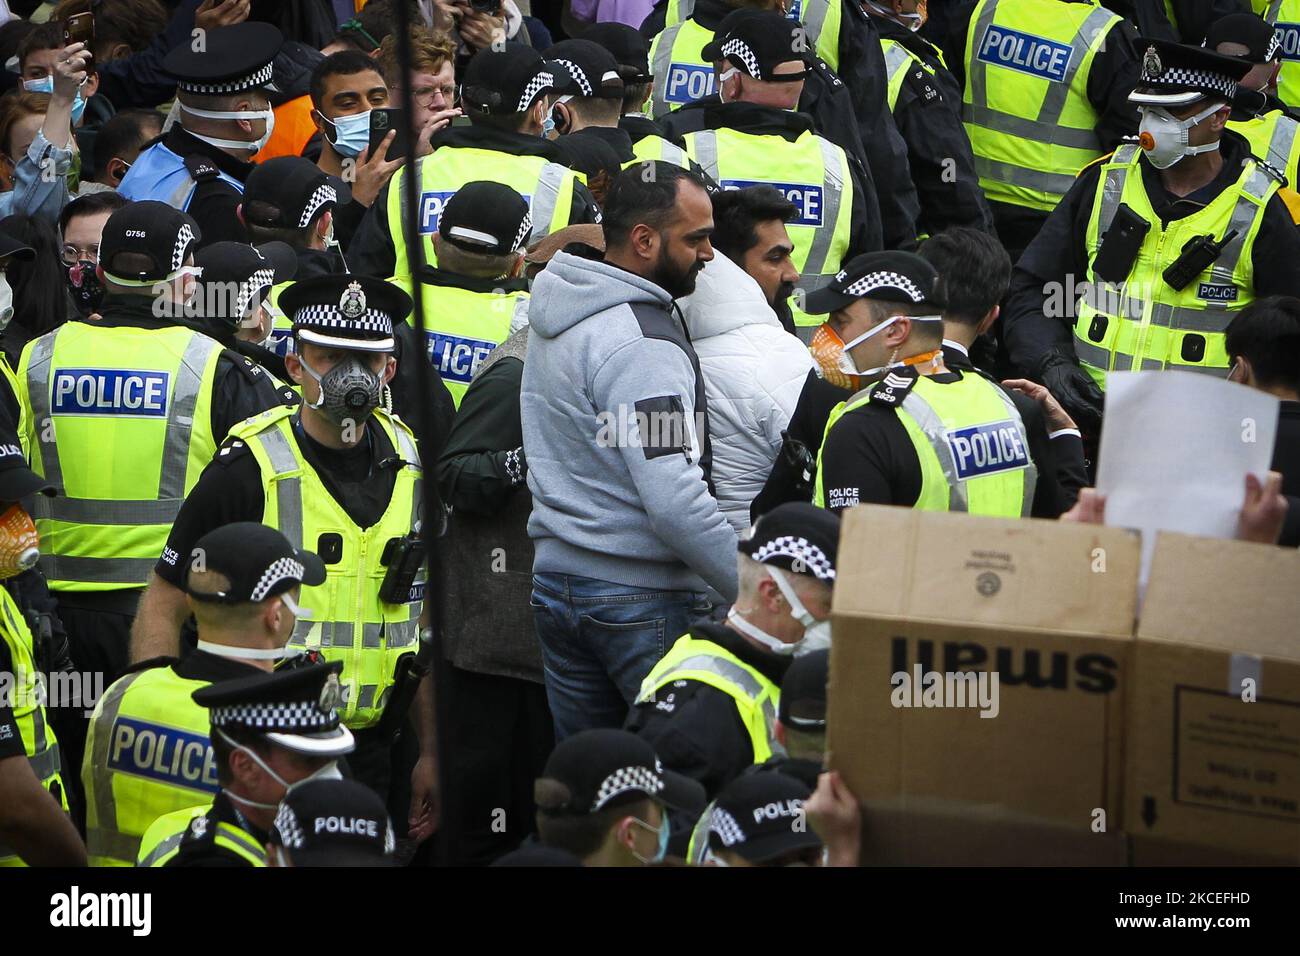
[548, 126]
[351, 133]
[664, 831]
[46, 85]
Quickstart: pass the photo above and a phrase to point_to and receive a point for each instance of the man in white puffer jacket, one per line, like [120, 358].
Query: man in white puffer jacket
[753, 373]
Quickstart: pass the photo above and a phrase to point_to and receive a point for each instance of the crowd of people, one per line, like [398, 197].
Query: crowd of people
[425, 425]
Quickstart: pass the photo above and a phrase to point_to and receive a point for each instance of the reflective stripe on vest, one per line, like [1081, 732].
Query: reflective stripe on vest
[821, 20]
[756, 697]
[649, 148]
[1143, 323]
[1273, 139]
[747, 158]
[72, 524]
[1061, 132]
[681, 74]
[897, 62]
[375, 635]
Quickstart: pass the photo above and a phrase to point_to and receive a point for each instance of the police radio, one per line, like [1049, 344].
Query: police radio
[403, 557]
[1198, 255]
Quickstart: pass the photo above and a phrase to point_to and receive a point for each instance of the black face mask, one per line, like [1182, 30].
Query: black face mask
[87, 291]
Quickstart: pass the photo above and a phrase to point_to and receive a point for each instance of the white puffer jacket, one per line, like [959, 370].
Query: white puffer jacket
[753, 373]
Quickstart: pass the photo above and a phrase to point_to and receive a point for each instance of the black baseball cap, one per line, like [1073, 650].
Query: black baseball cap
[17, 480]
[237, 276]
[9, 246]
[803, 692]
[1177, 75]
[881, 276]
[290, 191]
[630, 50]
[295, 708]
[509, 80]
[334, 823]
[1249, 30]
[345, 311]
[797, 537]
[486, 217]
[232, 59]
[760, 817]
[259, 561]
[162, 234]
[592, 68]
[757, 42]
[596, 769]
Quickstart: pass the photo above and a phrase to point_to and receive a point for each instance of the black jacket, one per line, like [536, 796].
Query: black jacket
[214, 201]
[1057, 259]
[371, 252]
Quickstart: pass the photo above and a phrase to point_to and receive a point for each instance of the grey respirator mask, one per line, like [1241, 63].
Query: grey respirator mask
[348, 392]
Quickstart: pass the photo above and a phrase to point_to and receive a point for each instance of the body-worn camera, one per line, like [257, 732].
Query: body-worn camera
[404, 557]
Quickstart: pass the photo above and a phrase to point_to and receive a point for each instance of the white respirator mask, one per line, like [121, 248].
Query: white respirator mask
[1164, 137]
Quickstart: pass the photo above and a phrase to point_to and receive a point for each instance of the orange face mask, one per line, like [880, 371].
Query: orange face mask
[827, 350]
[18, 542]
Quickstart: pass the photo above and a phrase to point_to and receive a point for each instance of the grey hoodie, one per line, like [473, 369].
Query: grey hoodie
[615, 435]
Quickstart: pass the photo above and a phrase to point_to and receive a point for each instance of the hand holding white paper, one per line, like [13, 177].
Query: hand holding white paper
[1175, 450]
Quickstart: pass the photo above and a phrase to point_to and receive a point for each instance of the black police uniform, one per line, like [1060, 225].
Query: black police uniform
[694, 727]
[1112, 77]
[215, 200]
[928, 115]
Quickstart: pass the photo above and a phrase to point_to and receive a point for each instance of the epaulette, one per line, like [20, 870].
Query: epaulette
[199, 835]
[246, 366]
[893, 388]
[1273, 171]
[201, 168]
[231, 450]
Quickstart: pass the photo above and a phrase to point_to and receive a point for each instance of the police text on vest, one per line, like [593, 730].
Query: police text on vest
[987, 449]
[1025, 52]
[110, 391]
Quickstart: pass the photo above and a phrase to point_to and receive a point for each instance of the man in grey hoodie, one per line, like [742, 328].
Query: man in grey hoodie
[627, 531]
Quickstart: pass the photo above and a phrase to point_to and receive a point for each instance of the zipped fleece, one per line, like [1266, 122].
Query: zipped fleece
[616, 435]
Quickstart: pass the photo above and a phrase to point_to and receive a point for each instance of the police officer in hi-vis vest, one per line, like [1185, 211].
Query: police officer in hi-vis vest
[147, 752]
[753, 136]
[269, 733]
[34, 826]
[477, 294]
[1268, 124]
[340, 476]
[1284, 17]
[709, 706]
[506, 94]
[1045, 89]
[224, 118]
[122, 414]
[1153, 249]
[923, 436]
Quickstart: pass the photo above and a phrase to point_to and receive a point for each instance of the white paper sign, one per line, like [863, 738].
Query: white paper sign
[1175, 451]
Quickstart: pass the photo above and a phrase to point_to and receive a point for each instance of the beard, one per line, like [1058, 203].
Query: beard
[678, 283]
[782, 307]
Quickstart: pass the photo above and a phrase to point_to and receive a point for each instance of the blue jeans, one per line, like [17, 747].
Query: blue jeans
[599, 640]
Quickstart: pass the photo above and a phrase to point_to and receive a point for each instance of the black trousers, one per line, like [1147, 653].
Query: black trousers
[498, 736]
[99, 642]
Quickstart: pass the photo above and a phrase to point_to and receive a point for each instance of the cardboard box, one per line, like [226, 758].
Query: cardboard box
[1049, 608]
[1207, 769]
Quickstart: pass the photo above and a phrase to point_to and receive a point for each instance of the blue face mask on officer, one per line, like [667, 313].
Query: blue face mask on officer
[351, 133]
[46, 85]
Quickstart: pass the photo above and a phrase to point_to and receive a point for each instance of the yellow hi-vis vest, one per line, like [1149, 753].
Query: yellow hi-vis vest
[1025, 105]
[898, 60]
[1284, 15]
[25, 695]
[162, 841]
[462, 326]
[1143, 322]
[756, 697]
[281, 342]
[650, 148]
[812, 172]
[970, 441]
[681, 74]
[147, 754]
[820, 18]
[349, 622]
[1273, 139]
[130, 422]
[547, 186]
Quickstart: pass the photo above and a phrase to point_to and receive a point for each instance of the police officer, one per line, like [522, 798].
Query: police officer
[34, 827]
[1284, 16]
[709, 706]
[1045, 88]
[147, 752]
[121, 414]
[476, 295]
[290, 199]
[1268, 124]
[924, 435]
[586, 116]
[758, 820]
[339, 475]
[752, 136]
[231, 303]
[505, 93]
[925, 99]
[225, 118]
[331, 823]
[269, 733]
[1150, 253]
